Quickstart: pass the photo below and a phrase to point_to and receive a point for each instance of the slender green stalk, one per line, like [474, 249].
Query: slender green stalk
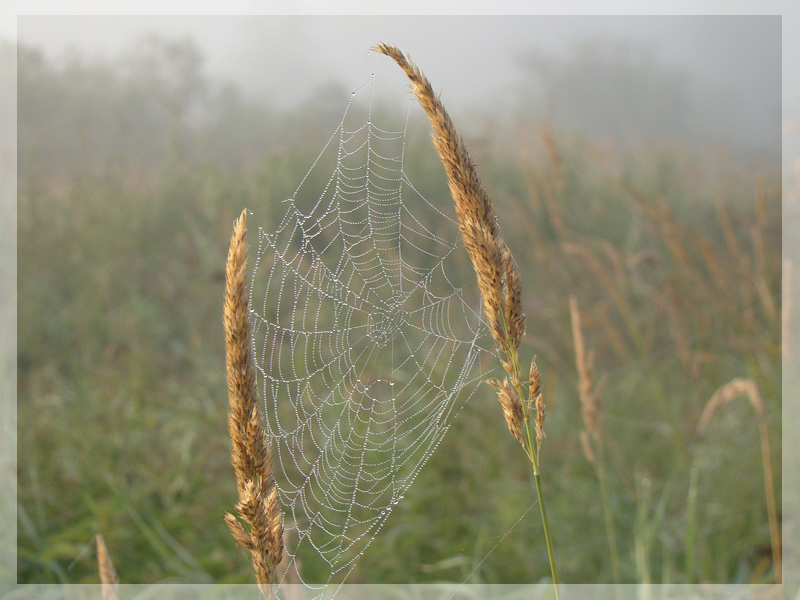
[548, 539]
[691, 525]
[532, 450]
[602, 478]
[641, 537]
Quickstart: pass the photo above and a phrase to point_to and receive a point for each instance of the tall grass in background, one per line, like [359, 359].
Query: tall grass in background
[678, 278]
[672, 255]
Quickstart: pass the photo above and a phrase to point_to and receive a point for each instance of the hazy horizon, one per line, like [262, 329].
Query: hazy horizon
[474, 61]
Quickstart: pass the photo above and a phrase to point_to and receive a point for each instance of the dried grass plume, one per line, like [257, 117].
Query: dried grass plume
[512, 407]
[108, 576]
[497, 272]
[588, 392]
[258, 507]
[747, 387]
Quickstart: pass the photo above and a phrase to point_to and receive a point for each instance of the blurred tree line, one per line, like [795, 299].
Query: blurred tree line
[150, 106]
[624, 92]
[155, 102]
[610, 90]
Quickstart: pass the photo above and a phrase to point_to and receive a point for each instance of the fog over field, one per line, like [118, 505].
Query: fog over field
[634, 167]
[722, 74]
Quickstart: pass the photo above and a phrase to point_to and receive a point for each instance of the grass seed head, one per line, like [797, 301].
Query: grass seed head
[108, 576]
[258, 505]
[731, 390]
[512, 407]
[474, 211]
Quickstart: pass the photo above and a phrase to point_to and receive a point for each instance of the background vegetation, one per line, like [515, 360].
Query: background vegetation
[130, 175]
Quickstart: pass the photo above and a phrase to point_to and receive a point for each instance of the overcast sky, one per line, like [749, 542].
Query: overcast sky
[282, 57]
[471, 59]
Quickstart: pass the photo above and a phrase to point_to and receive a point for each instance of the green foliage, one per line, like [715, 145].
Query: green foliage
[123, 233]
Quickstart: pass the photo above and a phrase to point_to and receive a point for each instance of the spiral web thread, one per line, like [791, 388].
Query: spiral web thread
[365, 341]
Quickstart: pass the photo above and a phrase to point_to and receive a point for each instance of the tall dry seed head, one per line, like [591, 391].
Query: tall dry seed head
[536, 402]
[495, 267]
[496, 271]
[589, 393]
[258, 507]
[592, 436]
[512, 407]
[108, 576]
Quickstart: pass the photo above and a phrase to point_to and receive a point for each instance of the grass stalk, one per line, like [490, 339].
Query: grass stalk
[608, 515]
[593, 436]
[498, 279]
[109, 581]
[258, 507]
[747, 387]
[691, 526]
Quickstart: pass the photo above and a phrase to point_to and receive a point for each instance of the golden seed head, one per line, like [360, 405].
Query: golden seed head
[539, 421]
[496, 271]
[108, 576]
[512, 407]
[534, 381]
[586, 446]
[536, 402]
[512, 299]
[589, 393]
[258, 505]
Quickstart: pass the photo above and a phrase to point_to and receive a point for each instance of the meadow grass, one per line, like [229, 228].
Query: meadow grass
[677, 275]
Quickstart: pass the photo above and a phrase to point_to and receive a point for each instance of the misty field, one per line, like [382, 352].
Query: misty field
[668, 254]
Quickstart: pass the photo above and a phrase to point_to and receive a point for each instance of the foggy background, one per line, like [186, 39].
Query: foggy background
[714, 77]
[141, 138]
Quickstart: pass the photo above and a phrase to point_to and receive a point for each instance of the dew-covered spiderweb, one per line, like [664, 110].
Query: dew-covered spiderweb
[368, 339]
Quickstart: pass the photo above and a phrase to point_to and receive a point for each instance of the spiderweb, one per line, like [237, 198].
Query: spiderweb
[367, 336]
